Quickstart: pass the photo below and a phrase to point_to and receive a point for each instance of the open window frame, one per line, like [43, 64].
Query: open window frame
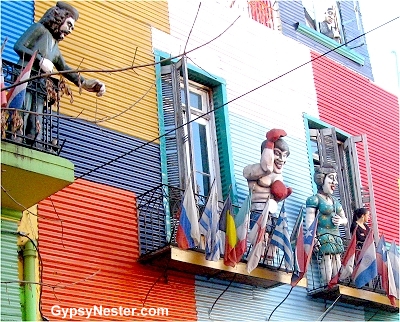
[172, 120]
[349, 155]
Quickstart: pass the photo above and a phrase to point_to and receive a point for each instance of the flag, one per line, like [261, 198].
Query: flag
[393, 256]
[227, 224]
[3, 97]
[242, 221]
[16, 95]
[303, 251]
[366, 268]
[392, 292]
[281, 239]
[209, 226]
[347, 263]
[188, 234]
[258, 239]
[295, 231]
[384, 268]
[382, 264]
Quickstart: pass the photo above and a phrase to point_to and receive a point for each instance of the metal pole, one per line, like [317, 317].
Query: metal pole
[29, 254]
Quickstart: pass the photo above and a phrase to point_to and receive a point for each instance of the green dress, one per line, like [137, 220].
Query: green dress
[328, 234]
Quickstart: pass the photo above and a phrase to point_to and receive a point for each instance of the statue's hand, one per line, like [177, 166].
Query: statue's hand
[46, 65]
[94, 85]
[337, 220]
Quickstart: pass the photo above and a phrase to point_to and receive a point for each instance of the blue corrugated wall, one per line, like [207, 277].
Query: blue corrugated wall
[292, 12]
[108, 157]
[16, 17]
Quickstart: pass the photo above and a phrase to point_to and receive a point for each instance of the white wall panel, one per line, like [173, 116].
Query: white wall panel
[247, 56]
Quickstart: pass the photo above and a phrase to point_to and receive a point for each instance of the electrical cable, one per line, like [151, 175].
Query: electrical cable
[322, 316]
[280, 303]
[226, 103]
[216, 300]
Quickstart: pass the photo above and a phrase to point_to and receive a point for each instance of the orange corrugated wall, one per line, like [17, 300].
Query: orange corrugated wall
[354, 104]
[88, 242]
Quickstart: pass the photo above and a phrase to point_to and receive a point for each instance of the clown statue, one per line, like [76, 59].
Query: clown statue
[330, 215]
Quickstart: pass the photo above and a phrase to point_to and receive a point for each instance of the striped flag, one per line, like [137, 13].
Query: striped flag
[393, 256]
[16, 95]
[384, 268]
[209, 226]
[188, 234]
[227, 224]
[366, 268]
[3, 96]
[347, 263]
[242, 221]
[258, 239]
[303, 252]
[281, 239]
[392, 292]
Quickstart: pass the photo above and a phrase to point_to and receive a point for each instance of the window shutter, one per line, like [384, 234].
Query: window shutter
[173, 118]
[329, 155]
[360, 182]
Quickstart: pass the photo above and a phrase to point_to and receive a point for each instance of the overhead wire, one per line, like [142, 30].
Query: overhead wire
[228, 102]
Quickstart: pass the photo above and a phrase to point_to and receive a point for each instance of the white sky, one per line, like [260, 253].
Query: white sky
[383, 43]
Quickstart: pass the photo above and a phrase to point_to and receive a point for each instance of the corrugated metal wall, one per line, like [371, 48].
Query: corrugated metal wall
[89, 247]
[109, 157]
[111, 35]
[10, 292]
[353, 104]
[249, 303]
[292, 12]
[12, 28]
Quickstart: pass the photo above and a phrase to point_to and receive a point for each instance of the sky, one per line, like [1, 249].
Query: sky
[383, 43]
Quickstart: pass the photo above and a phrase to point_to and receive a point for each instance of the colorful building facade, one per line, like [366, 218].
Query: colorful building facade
[98, 240]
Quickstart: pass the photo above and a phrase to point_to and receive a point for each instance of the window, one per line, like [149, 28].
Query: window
[323, 16]
[201, 149]
[349, 154]
[202, 137]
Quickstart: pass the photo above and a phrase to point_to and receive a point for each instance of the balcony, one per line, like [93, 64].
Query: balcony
[157, 209]
[372, 294]
[32, 169]
[158, 224]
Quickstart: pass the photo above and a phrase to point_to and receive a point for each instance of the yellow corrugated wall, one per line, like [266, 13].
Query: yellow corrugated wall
[111, 35]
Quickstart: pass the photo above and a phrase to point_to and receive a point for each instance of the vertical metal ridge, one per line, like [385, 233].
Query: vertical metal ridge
[352, 103]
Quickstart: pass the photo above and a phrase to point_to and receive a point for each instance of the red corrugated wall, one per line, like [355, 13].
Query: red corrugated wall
[352, 103]
[88, 242]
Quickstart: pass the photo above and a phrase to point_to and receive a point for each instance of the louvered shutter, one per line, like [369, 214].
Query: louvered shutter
[178, 153]
[355, 186]
[359, 180]
[329, 155]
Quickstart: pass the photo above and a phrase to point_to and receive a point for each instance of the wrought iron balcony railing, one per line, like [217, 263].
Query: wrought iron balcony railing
[318, 271]
[36, 124]
[158, 219]
[158, 211]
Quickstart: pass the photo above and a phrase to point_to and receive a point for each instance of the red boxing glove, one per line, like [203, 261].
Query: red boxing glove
[279, 191]
[275, 134]
[272, 136]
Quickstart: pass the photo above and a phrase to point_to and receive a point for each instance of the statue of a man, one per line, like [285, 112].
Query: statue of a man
[265, 178]
[43, 37]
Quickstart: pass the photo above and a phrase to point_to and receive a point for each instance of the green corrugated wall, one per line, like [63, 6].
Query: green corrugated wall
[10, 292]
